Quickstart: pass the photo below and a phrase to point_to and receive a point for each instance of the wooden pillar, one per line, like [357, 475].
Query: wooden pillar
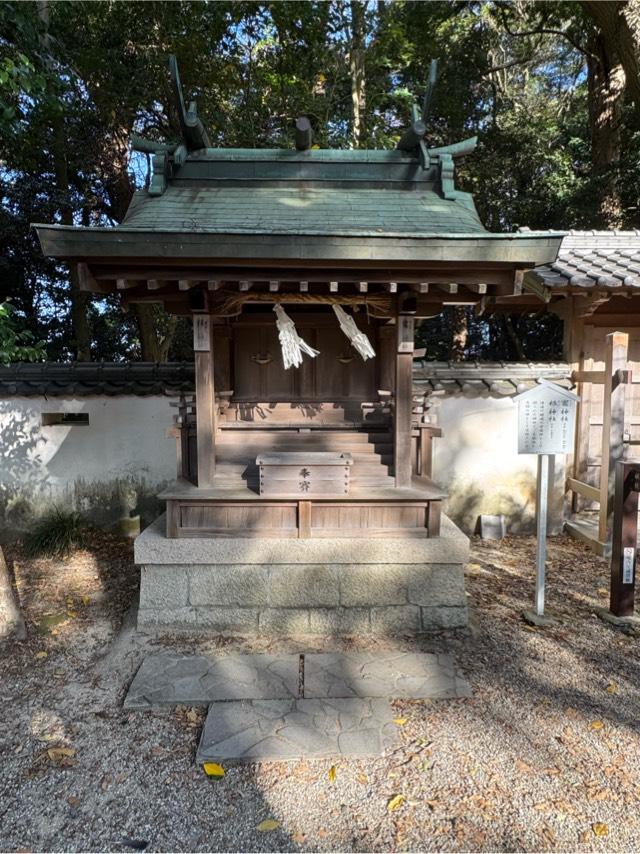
[615, 362]
[583, 433]
[403, 400]
[205, 398]
[624, 538]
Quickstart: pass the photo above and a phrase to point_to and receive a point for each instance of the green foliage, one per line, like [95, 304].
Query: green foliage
[56, 534]
[73, 88]
[16, 345]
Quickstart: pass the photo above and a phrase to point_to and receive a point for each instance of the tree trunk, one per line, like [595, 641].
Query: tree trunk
[11, 619]
[619, 25]
[460, 334]
[606, 86]
[357, 70]
[79, 299]
[514, 338]
[155, 342]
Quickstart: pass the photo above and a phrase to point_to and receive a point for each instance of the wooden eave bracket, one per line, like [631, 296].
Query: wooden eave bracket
[590, 303]
[534, 283]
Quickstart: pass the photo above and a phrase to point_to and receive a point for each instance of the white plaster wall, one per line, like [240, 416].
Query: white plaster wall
[125, 440]
[477, 461]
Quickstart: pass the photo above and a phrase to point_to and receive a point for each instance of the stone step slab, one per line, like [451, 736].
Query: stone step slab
[276, 730]
[166, 679]
[401, 675]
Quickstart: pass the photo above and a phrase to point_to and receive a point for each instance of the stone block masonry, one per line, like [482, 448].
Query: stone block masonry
[289, 587]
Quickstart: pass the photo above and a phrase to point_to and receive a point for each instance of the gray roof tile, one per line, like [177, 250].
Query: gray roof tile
[604, 259]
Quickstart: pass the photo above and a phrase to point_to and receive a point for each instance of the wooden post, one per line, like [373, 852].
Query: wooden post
[612, 427]
[624, 538]
[581, 452]
[205, 399]
[403, 400]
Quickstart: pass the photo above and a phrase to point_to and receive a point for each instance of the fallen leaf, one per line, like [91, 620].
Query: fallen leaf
[596, 725]
[56, 753]
[42, 654]
[73, 801]
[395, 802]
[603, 591]
[523, 767]
[158, 751]
[363, 779]
[400, 721]
[600, 829]
[268, 824]
[86, 600]
[585, 836]
[212, 769]
[332, 774]
[612, 687]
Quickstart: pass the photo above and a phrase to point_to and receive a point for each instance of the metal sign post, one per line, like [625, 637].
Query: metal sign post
[546, 420]
[546, 465]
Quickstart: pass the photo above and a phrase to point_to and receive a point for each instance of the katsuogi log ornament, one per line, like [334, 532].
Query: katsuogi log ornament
[292, 345]
[358, 339]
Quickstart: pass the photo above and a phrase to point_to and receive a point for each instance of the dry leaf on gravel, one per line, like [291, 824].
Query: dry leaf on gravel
[395, 802]
[268, 824]
[332, 774]
[212, 769]
[600, 829]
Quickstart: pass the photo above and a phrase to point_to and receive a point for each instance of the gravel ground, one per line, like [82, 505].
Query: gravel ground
[545, 756]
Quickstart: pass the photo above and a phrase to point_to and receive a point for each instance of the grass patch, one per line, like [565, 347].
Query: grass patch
[56, 534]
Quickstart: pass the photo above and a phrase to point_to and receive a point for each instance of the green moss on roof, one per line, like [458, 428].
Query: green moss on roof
[314, 211]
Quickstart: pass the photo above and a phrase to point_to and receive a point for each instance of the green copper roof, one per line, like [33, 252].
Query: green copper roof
[299, 211]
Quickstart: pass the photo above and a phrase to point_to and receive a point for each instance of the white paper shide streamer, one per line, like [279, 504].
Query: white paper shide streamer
[358, 339]
[292, 345]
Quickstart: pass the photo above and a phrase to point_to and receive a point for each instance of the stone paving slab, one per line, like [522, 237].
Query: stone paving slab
[166, 679]
[264, 730]
[383, 674]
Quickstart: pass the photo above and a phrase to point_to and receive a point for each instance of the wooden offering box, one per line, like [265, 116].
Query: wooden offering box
[299, 473]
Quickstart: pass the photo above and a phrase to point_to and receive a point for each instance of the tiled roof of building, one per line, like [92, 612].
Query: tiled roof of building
[79, 379]
[591, 259]
[484, 378]
[52, 379]
[300, 210]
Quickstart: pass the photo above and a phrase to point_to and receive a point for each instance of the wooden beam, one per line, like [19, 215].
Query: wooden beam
[403, 400]
[87, 281]
[443, 274]
[518, 279]
[617, 345]
[477, 287]
[205, 399]
[125, 284]
[584, 489]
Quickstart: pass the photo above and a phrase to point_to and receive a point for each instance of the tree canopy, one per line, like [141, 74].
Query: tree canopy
[551, 89]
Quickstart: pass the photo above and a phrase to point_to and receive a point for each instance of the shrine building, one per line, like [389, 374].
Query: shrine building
[302, 500]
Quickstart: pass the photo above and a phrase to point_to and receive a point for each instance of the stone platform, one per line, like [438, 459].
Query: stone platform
[279, 707]
[298, 586]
